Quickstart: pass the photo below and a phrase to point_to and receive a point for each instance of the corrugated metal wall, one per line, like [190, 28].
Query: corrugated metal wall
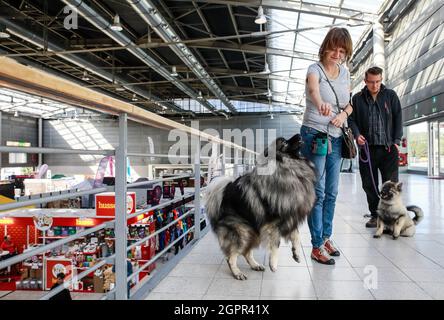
[104, 135]
[19, 129]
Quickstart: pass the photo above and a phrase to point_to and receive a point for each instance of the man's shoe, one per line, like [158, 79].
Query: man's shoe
[320, 256]
[330, 248]
[371, 223]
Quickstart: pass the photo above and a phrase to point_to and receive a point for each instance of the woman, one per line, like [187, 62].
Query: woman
[323, 118]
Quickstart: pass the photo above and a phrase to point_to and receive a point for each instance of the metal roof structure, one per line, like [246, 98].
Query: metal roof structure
[181, 57]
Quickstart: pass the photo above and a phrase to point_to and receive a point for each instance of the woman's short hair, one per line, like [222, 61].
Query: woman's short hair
[337, 38]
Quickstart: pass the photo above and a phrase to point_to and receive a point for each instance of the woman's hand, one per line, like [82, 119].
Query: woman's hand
[325, 109]
[339, 120]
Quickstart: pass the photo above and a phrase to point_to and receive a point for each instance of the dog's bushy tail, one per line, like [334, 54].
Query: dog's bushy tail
[213, 197]
[419, 214]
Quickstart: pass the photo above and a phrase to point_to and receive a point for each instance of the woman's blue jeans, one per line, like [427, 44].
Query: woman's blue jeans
[320, 221]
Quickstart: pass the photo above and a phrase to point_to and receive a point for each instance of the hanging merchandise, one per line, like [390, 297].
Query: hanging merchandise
[154, 195]
[182, 187]
[159, 216]
[166, 192]
[161, 241]
[172, 191]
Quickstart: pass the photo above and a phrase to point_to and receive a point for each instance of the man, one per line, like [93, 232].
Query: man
[64, 294]
[377, 120]
[9, 246]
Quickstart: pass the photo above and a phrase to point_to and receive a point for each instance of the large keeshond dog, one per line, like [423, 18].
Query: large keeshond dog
[263, 206]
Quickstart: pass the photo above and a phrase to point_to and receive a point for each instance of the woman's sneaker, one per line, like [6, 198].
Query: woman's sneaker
[320, 256]
[330, 248]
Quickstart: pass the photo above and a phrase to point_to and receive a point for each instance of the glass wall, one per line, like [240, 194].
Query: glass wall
[441, 148]
[418, 146]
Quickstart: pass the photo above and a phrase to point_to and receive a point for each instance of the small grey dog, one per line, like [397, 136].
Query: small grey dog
[393, 216]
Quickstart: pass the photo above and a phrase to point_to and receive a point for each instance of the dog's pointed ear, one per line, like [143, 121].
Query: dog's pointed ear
[399, 186]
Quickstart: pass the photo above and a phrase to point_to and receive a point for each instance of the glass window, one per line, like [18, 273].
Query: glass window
[441, 148]
[418, 146]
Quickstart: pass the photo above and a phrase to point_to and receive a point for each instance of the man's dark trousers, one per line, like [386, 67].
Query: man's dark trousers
[384, 159]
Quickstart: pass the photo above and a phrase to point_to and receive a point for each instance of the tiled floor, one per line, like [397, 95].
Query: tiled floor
[408, 268]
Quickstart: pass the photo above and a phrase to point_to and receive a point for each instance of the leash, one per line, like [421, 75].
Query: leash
[366, 149]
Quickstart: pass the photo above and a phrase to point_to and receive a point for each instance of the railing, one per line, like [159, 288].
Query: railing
[121, 220]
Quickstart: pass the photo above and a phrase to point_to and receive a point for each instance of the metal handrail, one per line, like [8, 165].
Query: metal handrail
[55, 244]
[142, 183]
[134, 274]
[160, 230]
[159, 206]
[15, 205]
[75, 278]
[55, 150]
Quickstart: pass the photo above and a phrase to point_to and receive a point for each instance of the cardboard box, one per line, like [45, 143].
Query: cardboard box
[98, 284]
[25, 273]
[36, 273]
[106, 203]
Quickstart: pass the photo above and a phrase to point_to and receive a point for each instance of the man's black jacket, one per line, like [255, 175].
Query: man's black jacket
[389, 108]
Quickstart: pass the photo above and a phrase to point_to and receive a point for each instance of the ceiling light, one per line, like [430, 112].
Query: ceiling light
[260, 19]
[134, 98]
[116, 26]
[16, 114]
[85, 76]
[200, 95]
[120, 88]
[174, 72]
[183, 119]
[271, 116]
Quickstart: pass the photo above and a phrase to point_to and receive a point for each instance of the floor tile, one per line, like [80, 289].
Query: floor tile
[336, 274]
[424, 275]
[195, 270]
[183, 285]
[434, 289]
[342, 290]
[399, 291]
[384, 274]
[234, 288]
[288, 288]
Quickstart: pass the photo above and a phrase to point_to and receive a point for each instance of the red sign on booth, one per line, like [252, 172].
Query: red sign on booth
[106, 203]
[54, 266]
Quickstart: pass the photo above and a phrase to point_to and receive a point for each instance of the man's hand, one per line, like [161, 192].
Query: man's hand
[360, 140]
[339, 120]
[325, 109]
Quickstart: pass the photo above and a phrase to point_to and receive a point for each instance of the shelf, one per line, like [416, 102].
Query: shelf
[59, 237]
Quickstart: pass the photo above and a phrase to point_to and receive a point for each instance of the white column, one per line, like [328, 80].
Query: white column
[40, 121]
[378, 45]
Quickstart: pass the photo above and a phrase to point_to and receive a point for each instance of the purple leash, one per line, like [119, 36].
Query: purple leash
[368, 160]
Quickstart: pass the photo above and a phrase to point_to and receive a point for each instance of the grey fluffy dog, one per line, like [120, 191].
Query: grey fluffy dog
[263, 207]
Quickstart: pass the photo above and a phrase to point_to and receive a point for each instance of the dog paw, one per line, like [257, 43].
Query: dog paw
[376, 236]
[296, 258]
[259, 267]
[395, 237]
[240, 276]
[273, 268]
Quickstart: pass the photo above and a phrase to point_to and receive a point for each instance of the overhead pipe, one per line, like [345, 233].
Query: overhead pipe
[148, 12]
[35, 39]
[104, 25]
